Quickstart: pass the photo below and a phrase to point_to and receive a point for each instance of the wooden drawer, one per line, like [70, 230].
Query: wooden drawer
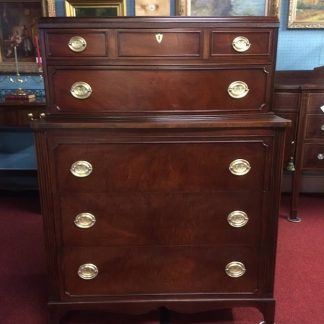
[159, 43]
[313, 156]
[315, 126]
[285, 102]
[255, 43]
[82, 43]
[161, 167]
[157, 90]
[160, 219]
[159, 270]
[316, 103]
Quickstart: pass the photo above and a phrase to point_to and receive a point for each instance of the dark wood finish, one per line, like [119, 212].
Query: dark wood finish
[15, 113]
[300, 95]
[160, 132]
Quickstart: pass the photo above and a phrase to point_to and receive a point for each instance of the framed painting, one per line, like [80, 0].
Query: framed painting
[95, 8]
[306, 14]
[221, 8]
[19, 33]
[152, 8]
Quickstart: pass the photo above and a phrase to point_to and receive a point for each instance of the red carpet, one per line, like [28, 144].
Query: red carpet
[299, 278]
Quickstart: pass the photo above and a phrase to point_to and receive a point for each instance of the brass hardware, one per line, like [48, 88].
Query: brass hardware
[77, 44]
[320, 156]
[322, 108]
[238, 89]
[235, 269]
[322, 128]
[88, 271]
[237, 218]
[40, 116]
[81, 90]
[81, 169]
[291, 165]
[84, 220]
[159, 37]
[239, 167]
[241, 44]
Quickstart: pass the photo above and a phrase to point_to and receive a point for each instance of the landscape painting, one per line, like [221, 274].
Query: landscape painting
[306, 14]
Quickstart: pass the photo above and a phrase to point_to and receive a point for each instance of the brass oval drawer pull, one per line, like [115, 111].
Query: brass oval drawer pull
[320, 156]
[235, 269]
[237, 218]
[241, 44]
[88, 271]
[77, 44]
[238, 89]
[240, 167]
[81, 169]
[81, 90]
[84, 220]
[322, 127]
[322, 108]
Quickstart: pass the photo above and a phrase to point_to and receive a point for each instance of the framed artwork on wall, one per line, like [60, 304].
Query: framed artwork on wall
[95, 8]
[152, 7]
[19, 34]
[306, 14]
[223, 8]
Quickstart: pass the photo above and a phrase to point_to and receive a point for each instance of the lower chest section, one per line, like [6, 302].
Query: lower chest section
[152, 214]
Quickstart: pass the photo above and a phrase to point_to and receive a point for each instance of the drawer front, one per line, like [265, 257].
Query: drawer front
[285, 102]
[316, 103]
[158, 167]
[315, 126]
[162, 90]
[160, 219]
[313, 156]
[158, 270]
[241, 43]
[76, 44]
[159, 43]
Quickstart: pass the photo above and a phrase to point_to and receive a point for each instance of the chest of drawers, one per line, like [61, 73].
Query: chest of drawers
[299, 95]
[157, 134]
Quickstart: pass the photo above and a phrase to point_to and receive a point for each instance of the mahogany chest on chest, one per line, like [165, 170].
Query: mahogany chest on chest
[160, 163]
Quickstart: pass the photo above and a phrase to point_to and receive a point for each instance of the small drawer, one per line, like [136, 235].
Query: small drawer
[315, 126]
[161, 218]
[111, 90]
[104, 271]
[76, 44]
[161, 167]
[313, 156]
[241, 43]
[316, 103]
[159, 43]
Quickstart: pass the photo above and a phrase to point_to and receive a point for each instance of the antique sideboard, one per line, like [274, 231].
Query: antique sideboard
[299, 96]
[160, 163]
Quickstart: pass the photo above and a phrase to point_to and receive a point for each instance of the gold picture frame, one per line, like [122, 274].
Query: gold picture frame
[95, 8]
[228, 8]
[9, 26]
[306, 14]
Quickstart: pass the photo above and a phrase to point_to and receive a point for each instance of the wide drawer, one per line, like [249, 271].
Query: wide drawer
[159, 43]
[76, 43]
[160, 219]
[99, 90]
[161, 167]
[313, 156]
[241, 42]
[158, 270]
[315, 126]
[316, 103]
